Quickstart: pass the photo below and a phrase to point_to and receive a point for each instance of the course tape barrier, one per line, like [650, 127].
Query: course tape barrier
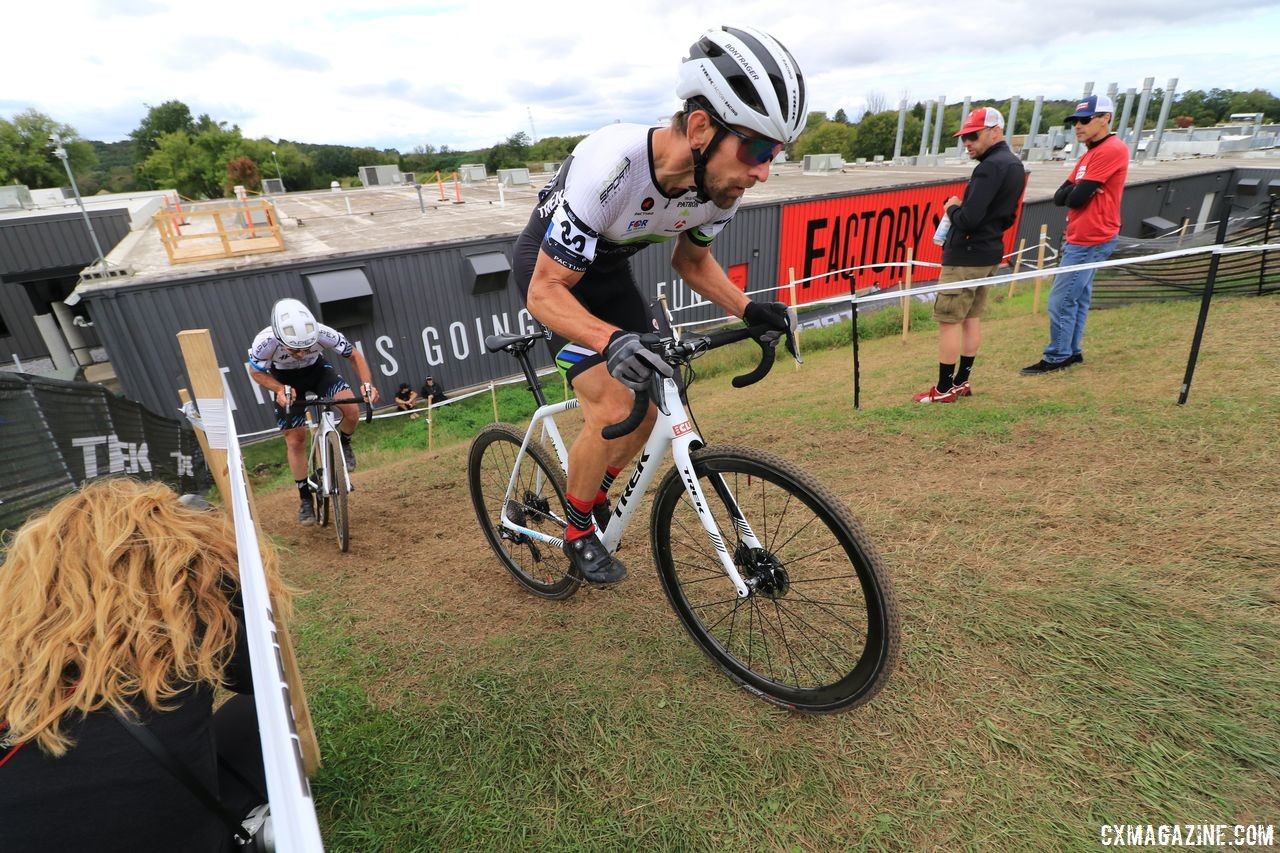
[293, 811]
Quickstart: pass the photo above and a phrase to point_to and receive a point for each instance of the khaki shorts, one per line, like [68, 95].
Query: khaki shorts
[956, 306]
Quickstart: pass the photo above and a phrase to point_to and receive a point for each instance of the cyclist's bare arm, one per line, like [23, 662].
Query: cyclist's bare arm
[702, 272]
[366, 377]
[551, 304]
[277, 388]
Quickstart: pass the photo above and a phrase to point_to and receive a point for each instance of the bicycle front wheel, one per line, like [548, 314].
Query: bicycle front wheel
[317, 485]
[333, 451]
[536, 502]
[819, 630]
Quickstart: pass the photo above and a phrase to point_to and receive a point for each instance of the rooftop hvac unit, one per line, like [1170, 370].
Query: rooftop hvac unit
[408, 178]
[272, 186]
[15, 197]
[379, 176]
[514, 177]
[472, 172]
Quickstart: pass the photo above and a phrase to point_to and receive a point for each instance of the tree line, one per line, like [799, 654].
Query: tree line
[204, 158]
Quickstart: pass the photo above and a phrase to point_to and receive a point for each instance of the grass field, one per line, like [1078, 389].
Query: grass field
[1087, 575]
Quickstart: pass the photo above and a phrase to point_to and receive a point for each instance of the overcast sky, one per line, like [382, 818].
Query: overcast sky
[467, 75]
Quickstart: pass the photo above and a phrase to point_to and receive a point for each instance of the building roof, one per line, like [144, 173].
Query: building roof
[324, 225]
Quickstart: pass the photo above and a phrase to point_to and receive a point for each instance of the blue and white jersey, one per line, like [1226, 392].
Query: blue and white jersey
[267, 353]
[604, 205]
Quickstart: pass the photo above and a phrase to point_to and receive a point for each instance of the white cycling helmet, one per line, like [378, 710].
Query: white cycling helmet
[748, 79]
[293, 324]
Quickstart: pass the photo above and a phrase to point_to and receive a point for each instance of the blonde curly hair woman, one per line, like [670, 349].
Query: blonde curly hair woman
[121, 597]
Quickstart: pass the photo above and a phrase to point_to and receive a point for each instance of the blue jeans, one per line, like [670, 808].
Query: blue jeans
[1069, 299]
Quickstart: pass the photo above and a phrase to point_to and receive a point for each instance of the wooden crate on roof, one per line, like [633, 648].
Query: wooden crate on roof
[226, 230]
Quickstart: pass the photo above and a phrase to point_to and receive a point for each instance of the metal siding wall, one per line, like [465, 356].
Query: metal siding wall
[23, 339]
[1172, 199]
[29, 246]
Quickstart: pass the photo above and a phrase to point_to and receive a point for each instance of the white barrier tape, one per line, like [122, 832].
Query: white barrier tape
[213, 416]
[293, 812]
[1047, 272]
[519, 377]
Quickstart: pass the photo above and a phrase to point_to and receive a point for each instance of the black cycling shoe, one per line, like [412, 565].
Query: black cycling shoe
[306, 514]
[349, 454]
[590, 560]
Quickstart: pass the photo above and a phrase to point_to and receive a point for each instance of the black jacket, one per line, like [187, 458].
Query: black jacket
[988, 209]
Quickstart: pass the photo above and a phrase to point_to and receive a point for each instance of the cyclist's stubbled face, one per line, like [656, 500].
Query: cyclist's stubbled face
[728, 176]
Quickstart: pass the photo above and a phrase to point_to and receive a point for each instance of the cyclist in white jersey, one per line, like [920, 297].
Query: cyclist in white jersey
[289, 358]
[624, 188]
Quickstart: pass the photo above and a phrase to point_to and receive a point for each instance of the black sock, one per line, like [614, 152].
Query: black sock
[966, 365]
[304, 491]
[346, 439]
[944, 376]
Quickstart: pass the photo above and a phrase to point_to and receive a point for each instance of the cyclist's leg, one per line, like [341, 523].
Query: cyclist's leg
[605, 401]
[330, 384]
[292, 422]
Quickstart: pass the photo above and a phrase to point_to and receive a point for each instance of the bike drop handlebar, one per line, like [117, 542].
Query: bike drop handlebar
[319, 402]
[687, 348]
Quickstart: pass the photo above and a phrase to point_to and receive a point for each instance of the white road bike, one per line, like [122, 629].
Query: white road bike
[327, 474]
[770, 574]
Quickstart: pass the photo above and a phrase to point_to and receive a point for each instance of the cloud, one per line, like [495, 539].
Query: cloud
[399, 74]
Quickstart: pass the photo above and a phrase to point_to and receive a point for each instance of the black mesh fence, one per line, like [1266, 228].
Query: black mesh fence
[1242, 273]
[56, 435]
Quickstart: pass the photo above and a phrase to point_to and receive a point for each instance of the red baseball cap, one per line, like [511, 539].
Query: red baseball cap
[980, 118]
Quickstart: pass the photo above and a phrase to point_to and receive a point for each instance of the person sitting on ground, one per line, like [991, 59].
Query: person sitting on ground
[406, 397]
[432, 389]
[120, 598]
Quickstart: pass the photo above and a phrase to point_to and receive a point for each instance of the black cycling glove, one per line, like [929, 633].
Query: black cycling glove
[772, 314]
[630, 363]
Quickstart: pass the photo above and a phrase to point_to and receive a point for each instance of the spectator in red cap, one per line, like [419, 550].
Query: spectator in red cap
[973, 249]
[1091, 194]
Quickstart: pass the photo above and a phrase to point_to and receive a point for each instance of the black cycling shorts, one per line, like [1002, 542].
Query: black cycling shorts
[320, 379]
[608, 293]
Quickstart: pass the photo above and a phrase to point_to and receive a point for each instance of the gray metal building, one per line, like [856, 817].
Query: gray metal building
[418, 281]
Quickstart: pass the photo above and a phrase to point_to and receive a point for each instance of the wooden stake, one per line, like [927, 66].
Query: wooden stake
[791, 288]
[430, 422]
[493, 394]
[206, 380]
[906, 300]
[1044, 239]
[1017, 262]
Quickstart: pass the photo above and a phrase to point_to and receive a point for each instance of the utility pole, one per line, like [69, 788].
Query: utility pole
[61, 153]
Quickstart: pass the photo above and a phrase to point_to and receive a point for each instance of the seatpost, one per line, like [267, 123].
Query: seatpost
[522, 356]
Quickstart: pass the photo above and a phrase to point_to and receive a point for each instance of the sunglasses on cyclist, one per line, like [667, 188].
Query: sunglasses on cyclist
[752, 150]
[1072, 121]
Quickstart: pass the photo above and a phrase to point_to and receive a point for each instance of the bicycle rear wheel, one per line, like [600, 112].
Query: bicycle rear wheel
[819, 631]
[537, 502]
[333, 452]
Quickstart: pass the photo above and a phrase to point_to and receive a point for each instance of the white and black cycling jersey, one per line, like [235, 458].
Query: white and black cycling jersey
[604, 204]
[267, 353]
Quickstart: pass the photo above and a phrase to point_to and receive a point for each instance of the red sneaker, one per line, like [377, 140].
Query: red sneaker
[963, 389]
[933, 395]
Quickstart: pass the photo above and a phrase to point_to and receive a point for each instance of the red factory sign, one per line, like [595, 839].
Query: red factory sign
[836, 245]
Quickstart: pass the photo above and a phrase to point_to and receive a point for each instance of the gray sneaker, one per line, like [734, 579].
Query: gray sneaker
[306, 514]
[596, 565]
[348, 454]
